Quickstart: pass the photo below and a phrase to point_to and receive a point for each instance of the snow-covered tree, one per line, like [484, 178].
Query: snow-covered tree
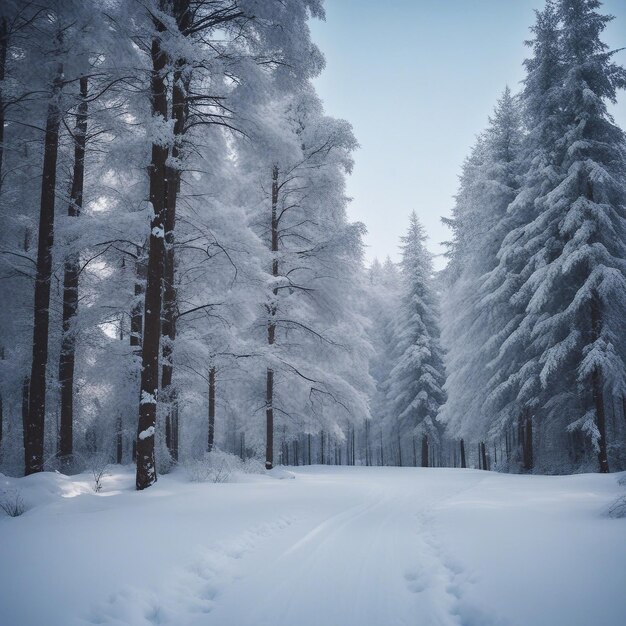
[471, 322]
[563, 360]
[414, 387]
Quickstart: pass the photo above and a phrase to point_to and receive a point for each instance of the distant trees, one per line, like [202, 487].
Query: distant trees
[413, 387]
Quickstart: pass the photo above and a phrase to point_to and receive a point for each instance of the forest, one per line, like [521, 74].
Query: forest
[220, 405]
[179, 275]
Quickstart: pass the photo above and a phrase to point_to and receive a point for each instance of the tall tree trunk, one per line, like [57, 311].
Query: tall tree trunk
[146, 427]
[211, 408]
[34, 434]
[4, 45]
[1, 404]
[424, 451]
[119, 442]
[483, 455]
[598, 390]
[25, 394]
[70, 284]
[463, 462]
[526, 440]
[271, 328]
[180, 86]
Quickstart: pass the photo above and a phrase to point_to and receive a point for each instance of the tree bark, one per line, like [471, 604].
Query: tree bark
[146, 427]
[598, 390]
[271, 328]
[25, 394]
[483, 455]
[119, 447]
[463, 462]
[4, 45]
[1, 404]
[424, 451]
[70, 284]
[34, 432]
[526, 440]
[180, 86]
[211, 408]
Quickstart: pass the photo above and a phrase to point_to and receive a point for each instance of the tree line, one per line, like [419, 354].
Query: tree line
[179, 273]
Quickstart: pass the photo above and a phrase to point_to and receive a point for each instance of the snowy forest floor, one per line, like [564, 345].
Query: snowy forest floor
[338, 546]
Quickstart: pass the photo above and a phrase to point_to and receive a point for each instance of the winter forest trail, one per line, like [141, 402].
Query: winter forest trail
[364, 560]
[340, 546]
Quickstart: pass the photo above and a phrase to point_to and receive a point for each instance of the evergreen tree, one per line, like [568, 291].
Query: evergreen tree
[414, 388]
[565, 259]
[471, 320]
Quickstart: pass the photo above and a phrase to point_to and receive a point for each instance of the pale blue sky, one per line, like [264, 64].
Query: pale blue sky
[417, 79]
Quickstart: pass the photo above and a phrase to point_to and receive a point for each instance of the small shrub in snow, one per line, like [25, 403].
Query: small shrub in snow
[98, 465]
[12, 503]
[218, 467]
[617, 510]
[253, 466]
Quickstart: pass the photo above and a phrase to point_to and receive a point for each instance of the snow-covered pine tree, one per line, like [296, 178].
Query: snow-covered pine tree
[572, 283]
[512, 389]
[414, 387]
[383, 293]
[471, 322]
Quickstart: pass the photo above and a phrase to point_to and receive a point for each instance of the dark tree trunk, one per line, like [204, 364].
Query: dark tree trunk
[119, 447]
[211, 409]
[424, 451]
[269, 420]
[309, 448]
[25, 394]
[483, 455]
[271, 327]
[322, 447]
[70, 284]
[34, 433]
[598, 391]
[146, 428]
[352, 455]
[1, 405]
[180, 84]
[4, 45]
[526, 440]
[463, 462]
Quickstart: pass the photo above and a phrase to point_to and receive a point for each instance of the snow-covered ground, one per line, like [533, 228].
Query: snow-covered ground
[336, 546]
